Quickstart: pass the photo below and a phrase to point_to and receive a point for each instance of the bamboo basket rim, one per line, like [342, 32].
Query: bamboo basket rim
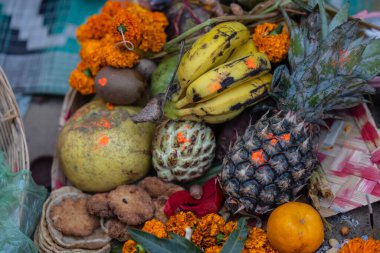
[12, 135]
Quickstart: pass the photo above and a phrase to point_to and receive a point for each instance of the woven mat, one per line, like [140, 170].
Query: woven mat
[38, 49]
[346, 160]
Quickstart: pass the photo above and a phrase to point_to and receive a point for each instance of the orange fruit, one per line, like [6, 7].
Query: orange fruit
[295, 227]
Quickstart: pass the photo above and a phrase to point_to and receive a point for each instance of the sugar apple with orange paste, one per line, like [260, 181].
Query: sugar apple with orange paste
[182, 150]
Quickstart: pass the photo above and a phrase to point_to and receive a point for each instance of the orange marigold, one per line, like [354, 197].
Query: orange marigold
[128, 23]
[111, 8]
[96, 27]
[129, 246]
[213, 249]
[275, 46]
[154, 36]
[119, 57]
[357, 245]
[156, 228]
[180, 221]
[91, 54]
[82, 81]
[257, 242]
[209, 227]
[229, 227]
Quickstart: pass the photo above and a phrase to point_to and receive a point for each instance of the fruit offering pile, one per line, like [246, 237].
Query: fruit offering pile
[198, 131]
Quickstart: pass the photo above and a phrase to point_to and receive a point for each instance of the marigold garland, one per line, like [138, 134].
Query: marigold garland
[207, 230]
[81, 80]
[257, 242]
[102, 41]
[180, 221]
[129, 246]
[209, 233]
[155, 227]
[275, 46]
[359, 245]
[96, 27]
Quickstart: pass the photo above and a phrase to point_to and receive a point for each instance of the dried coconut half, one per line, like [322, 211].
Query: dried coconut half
[52, 240]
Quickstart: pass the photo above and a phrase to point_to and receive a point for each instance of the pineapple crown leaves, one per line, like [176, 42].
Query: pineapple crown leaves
[179, 244]
[330, 65]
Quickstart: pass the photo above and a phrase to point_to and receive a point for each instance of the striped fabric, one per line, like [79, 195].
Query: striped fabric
[38, 48]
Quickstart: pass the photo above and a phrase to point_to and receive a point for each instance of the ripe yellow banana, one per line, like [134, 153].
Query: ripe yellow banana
[224, 77]
[209, 51]
[246, 49]
[214, 119]
[242, 96]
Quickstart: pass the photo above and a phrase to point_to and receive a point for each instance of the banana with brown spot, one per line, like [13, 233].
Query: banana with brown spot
[209, 51]
[225, 77]
[237, 98]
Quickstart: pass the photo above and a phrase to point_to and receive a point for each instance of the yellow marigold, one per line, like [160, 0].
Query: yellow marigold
[111, 8]
[180, 221]
[129, 246]
[82, 81]
[257, 242]
[229, 227]
[357, 245]
[209, 227]
[213, 249]
[92, 56]
[275, 46]
[128, 23]
[96, 27]
[156, 228]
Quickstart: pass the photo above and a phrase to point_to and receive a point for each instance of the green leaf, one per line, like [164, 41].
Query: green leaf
[154, 244]
[236, 240]
[297, 48]
[188, 245]
[322, 10]
[369, 65]
[340, 17]
[116, 247]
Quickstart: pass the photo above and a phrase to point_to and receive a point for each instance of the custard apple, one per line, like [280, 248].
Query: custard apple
[182, 150]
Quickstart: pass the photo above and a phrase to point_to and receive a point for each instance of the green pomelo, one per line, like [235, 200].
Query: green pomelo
[100, 148]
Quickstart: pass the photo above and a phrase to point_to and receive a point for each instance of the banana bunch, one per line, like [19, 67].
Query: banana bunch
[219, 76]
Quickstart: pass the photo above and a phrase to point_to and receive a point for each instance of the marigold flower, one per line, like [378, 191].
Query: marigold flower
[111, 8]
[180, 221]
[96, 27]
[91, 54]
[275, 46]
[127, 23]
[357, 245]
[229, 227]
[156, 228]
[207, 230]
[129, 246]
[154, 36]
[119, 57]
[257, 242]
[213, 249]
[82, 81]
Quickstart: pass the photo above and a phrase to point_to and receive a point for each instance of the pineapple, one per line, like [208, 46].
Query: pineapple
[182, 150]
[274, 159]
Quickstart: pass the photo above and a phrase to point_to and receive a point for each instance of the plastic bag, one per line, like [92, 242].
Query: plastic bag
[21, 203]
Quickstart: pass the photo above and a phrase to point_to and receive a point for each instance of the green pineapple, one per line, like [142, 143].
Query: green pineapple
[330, 65]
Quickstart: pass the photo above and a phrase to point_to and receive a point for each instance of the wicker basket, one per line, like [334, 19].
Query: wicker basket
[12, 135]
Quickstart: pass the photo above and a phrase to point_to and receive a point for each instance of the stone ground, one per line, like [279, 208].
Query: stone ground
[41, 123]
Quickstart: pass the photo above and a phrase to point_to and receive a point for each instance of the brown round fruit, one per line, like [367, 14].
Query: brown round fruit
[119, 86]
